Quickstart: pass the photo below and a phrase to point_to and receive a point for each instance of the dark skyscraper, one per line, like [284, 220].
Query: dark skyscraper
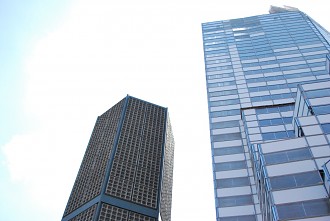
[268, 89]
[127, 170]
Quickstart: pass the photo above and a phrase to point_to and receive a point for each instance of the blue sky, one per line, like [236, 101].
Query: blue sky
[64, 62]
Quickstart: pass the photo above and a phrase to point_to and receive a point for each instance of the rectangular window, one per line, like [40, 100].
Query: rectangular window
[235, 200]
[228, 150]
[222, 93]
[225, 113]
[225, 137]
[318, 93]
[234, 165]
[295, 180]
[225, 124]
[287, 156]
[326, 128]
[324, 109]
[300, 210]
[233, 182]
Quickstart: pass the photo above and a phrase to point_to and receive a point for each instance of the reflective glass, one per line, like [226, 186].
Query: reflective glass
[233, 182]
[234, 165]
[235, 200]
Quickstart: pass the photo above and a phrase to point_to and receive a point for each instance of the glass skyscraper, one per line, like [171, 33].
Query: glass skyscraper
[127, 170]
[268, 88]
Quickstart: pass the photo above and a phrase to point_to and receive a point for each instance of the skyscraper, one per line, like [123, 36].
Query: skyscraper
[268, 92]
[126, 172]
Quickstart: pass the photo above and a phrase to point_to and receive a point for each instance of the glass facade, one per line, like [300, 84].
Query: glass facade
[127, 170]
[268, 87]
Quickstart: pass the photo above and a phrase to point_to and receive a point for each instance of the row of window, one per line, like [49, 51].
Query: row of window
[275, 109]
[322, 109]
[275, 121]
[227, 150]
[287, 156]
[297, 180]
[235, 200]
[273, 97]
[278, 135]
[300, 210]
[233, 165]
[318, 93]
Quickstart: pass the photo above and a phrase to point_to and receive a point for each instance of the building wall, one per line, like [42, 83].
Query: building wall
[128, 162]
[253, 67]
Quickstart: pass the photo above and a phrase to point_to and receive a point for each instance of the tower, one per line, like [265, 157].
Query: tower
[267, 85]
[127, 170]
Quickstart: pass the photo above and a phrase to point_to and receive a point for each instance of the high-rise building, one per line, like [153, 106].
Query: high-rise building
[127, 170]
[268, 88]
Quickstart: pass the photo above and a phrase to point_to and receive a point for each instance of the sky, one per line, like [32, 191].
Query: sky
[65, 62]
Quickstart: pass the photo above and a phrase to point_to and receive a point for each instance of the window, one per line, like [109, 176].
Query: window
[295, 180]
[228, 150]
[234, 165]
[224, 102]
[324, 109]
[274, 135]
[287, 156]
[225, 124]
[233, 182]
[235, 200]
[270, 122]
[222, 93]
[303, 209]
[326, 128]
[261, 98]
[225, 113]
[318, 93]
[225, 137]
